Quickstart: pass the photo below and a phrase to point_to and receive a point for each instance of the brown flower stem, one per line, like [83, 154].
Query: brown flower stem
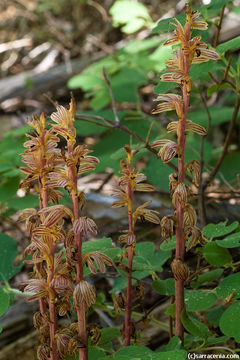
[83, 349]
[180, 241]
[51, 303]
[127, 333]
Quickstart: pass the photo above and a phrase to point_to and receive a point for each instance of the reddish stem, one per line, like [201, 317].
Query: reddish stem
[51, 303]
[180, 241]
[82, 333]
[127, 330]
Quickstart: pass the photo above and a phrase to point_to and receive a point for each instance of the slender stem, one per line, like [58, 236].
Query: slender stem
[127, 330]
[180, 242]
[219, 26]
[83, 350]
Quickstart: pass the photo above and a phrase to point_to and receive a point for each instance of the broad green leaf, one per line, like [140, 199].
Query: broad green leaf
[206, 277]
[200, 71]
[171, 355]
[165, 26]
[214, 315]
[132, 15]
[228, 285]
[171, 310]
[217, 230]
[170, 245]
[148, 259]
[163, 87]
[164, 287]
[216, 255]
[108, 334]
[9, 188]
[230, 166]
[216, 340]
[158, 177]
[8, 254]
[103, 245]
[160, 56]
[229, 45]
[20, 203]
[198, 300]
[231, 241]
[219, 115]
[4, 302]
[174, 343]
[194, 326]
[229, 322]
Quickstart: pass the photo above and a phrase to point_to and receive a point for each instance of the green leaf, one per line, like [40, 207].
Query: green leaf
[231, 241]
[4, 302]
[160, 56]
[158, 177]
[194, 326]
[216, 255]
[171, 310]
[230, 166]
[206, 277]
[163, 87]
[200, 71]
[132, 15]
[214, 315]
[9, 188]
[165, 26]
[174, 343]
[229, 322]
[148, 259]
[229, 45]
[108, 334]
[216, 340]
[20, 203]
[170, 245]
[8, 254]
[198, 300]
[219, 115]
[164, 287]
[95, 354]
[228, 285]
[217, 230]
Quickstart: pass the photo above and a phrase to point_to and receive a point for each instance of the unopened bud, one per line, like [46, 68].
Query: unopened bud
[179, 269]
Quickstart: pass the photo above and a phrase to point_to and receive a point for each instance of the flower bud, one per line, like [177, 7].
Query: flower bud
[180, 270]
[84, 294]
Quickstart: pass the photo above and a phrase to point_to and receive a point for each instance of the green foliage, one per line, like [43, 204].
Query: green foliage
[193, 325]
[164, 287]
[216, 255]
[206, 277]
[8, 254]
[229, 322]
[213, 231]
[198, 300]
[131, 14]
[229, 285]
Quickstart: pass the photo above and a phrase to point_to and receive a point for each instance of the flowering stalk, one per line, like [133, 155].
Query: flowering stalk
[58, 278]
[39, 157]
[77, 162]
[128, 183]
[191, 51]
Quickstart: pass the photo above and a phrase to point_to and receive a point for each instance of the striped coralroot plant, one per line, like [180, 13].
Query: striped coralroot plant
[131, 181]
[56, 249]
[191, 51]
